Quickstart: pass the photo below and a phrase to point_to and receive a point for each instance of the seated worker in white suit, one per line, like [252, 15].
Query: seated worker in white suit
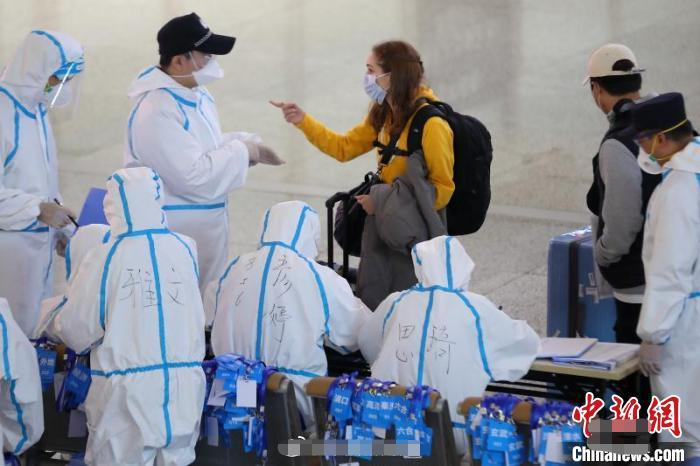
[83, 241]
[135, 304]
[279, 306]
[439, 334]
[21, 405]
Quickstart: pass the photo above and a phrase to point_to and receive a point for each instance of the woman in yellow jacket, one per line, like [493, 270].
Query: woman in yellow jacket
[395, 82]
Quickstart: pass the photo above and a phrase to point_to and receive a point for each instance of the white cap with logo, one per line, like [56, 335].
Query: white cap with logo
[604, 58]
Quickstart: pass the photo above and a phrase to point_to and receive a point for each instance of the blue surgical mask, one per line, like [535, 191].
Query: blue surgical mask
[374, 90]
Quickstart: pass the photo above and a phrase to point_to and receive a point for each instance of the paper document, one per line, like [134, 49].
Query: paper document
[554, 347]
[604, 356]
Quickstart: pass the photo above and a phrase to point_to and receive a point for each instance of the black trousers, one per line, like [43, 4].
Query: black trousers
[626, 332]
[626, 323]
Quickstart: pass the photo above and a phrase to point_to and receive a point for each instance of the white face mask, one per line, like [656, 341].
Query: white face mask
[206, 74]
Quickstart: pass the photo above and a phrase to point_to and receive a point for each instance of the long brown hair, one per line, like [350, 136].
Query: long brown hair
[403, 62]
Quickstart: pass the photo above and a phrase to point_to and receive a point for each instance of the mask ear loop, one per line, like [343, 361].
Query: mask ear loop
[60, 86]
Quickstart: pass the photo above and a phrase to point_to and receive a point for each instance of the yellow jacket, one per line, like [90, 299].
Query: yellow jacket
[437, 148]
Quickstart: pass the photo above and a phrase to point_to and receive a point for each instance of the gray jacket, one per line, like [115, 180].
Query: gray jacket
[404, 216]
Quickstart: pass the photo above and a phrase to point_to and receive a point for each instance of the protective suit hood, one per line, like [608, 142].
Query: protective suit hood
[40, 56]
[442, 261]
[150, 79]
[134, 202]
[293, 224]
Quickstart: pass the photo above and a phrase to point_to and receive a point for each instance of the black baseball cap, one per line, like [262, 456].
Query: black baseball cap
[187, 33]
[662, 113]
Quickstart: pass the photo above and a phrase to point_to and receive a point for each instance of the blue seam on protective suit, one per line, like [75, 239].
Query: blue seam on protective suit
[186, 124]
[265, 223]
[415, 253]
[105, 238]
[48, 269]
[286, 370]
[37, 230]
[424, 337]
[163, 349]
[219, 205]
[45, 131]
[181, 100]
[131, 124]
[54, 312]
[17, 103]
[150, 231]
[300, 225]
[68, 261]
[694, 294]
[125, 203]
[189, 251]
[261, 302]
[13, 383]
[55, 42]
[218, 288]
[480, 333]
[13, 152]
[103, 282]
[448, 262]
[29, 228]
[393, 307]
[459, 425]
[145, 72]
[143, 369]
[317, 277]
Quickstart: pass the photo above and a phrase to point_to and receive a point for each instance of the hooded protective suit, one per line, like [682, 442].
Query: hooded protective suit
[175, 131]
[21, 406]
[439, 334]
[28, 171]
[85, 239]
[277, 305]
[135, 304]
[671, 311]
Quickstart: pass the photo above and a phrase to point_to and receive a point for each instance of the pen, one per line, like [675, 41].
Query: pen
[69, 217]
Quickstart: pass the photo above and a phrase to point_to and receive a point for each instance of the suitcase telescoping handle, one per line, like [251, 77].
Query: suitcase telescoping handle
[343, 197]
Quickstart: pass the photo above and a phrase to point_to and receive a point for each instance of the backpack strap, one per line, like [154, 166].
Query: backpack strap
[387, 151]
[415, 132]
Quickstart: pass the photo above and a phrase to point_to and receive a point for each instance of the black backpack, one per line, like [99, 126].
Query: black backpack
[473, 152]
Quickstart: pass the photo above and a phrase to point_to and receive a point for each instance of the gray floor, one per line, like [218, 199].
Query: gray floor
[517, 65]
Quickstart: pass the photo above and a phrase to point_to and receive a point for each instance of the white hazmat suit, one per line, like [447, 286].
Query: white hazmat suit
[277, 305]
[439, 334]
[671, 311]
[29, 171]
[135, 304]
[21, 405]
[176, 131]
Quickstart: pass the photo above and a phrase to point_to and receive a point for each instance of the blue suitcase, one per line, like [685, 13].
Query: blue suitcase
[574, 304]
[92, 211]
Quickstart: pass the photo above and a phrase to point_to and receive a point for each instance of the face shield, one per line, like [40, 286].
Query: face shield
[65, 95]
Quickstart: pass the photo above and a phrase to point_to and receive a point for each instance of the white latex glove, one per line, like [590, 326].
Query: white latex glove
[650, 358]
[260, 153]
[55, 215]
